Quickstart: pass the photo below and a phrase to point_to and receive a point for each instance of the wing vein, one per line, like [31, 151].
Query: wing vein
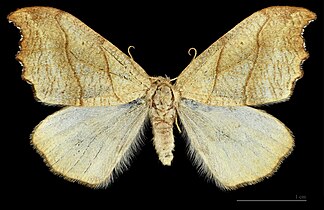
[69, 61]
[248, 78]
[216, 72]
[109, 76]
[88, 146]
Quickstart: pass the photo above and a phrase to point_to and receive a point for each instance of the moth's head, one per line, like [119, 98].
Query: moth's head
[162, 90]
[161, 80]
[161, 84]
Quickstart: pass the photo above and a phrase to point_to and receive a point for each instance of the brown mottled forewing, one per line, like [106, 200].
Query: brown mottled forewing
[69, 64]
[257, 62]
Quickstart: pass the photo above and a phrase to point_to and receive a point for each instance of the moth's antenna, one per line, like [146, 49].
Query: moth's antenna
[128, 50]
[189, 52]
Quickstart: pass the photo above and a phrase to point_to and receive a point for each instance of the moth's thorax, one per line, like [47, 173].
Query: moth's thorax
[162, 99]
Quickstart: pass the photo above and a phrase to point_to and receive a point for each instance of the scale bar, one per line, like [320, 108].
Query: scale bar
[299, 200]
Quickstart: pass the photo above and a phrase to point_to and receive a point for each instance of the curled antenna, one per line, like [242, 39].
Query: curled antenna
[189, 52]
[128, 50]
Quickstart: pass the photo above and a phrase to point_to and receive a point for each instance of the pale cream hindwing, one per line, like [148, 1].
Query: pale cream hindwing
[256, 62]
[70, 64]
[234, 146]
[91, 144]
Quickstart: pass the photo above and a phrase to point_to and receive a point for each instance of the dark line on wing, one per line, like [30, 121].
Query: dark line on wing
[91, 163]
[216, 73]
[81, 93]
[256, 57]
[109, 76]
[125, 65]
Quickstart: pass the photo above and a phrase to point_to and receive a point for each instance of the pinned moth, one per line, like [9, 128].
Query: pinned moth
[108, 97]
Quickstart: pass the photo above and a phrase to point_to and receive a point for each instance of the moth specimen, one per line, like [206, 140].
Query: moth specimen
[108, 97]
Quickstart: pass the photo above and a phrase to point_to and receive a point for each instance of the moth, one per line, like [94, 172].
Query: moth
[108, 97]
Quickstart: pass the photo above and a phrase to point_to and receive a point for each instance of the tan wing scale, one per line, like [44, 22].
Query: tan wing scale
[70, 64]
[256, 62]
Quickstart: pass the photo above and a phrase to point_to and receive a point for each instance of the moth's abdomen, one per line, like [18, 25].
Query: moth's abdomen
[163, 139]
[163, 103]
